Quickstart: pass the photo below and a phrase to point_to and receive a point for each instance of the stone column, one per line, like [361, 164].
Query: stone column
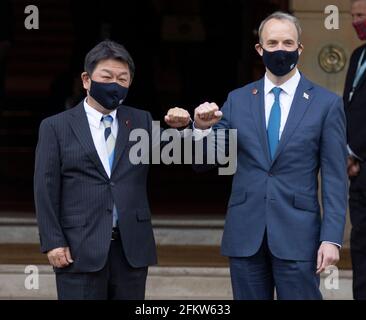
[327, 46]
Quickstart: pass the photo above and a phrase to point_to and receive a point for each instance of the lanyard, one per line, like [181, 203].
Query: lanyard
[361, 67]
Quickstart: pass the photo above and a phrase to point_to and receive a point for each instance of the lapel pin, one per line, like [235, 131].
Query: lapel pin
[128, 124]
[254, 91]
[306, 96]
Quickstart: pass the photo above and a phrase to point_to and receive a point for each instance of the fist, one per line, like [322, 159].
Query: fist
[60, 257]
[206, 115]
[353, 167]
[177, 118]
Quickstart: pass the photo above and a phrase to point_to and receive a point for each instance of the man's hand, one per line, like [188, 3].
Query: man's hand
[60, 257]
[353, 167]
[328, 254]
[177, 118]
[206, 115]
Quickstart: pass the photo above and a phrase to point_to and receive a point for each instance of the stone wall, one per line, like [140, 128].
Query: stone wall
[316, 36]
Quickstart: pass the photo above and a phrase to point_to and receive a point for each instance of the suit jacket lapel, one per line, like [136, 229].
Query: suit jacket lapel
[362, 80]
[363, 77]
[257, 106]
[353, 71]
[124, 128]
[80, 125]
[302, 99]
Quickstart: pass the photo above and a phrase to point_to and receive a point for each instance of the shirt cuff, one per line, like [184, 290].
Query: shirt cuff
[336, 244]
[351, 153]
[199, 134]
[186, 131]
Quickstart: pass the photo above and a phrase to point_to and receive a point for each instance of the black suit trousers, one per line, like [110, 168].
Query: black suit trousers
[116, 281]
[357, 205]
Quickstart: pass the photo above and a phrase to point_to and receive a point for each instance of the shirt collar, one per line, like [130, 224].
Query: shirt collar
[94, 116]
[289, 86]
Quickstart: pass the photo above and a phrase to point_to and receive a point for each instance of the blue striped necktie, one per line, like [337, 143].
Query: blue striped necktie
[274, 123]
[109, 139]
[111, 143]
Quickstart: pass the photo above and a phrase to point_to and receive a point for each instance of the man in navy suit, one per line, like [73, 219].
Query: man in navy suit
[91, 202]
[288, 129]
[354, 102]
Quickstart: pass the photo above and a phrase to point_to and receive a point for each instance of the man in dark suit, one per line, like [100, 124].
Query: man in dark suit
[288, 128]
[355, 107]
[91, 203]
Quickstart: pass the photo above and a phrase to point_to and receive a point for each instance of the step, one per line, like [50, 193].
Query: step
[22, 228]
[168, 255]
[167, 283]
[186, 241]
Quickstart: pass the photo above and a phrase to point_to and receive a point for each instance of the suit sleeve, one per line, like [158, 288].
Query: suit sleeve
[47, 189]
[334, 179]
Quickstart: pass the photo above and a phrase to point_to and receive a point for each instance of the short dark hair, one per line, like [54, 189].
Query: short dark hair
[108, 49]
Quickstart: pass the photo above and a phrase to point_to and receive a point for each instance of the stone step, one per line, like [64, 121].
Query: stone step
[168, 255]
[167, 283]
[193, 242]
[22, 228]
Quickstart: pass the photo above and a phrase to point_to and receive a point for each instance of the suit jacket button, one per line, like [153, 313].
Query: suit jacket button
[111, 184]
[270, 174]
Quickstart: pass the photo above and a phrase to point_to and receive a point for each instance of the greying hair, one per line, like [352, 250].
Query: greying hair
[279, 15]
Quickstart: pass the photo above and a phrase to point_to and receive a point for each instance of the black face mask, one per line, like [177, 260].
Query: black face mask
[108, 95]
[280, 62]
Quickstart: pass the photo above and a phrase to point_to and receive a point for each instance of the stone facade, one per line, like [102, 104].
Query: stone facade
[316, 36]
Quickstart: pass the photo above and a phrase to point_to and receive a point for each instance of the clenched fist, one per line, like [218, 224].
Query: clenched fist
[206, 115]
[60, 257]
[177, 118]
[353, 167]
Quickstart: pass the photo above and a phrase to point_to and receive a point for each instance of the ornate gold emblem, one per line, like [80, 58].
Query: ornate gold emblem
[332, 58]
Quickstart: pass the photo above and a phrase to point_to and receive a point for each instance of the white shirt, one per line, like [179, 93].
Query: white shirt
[286, 97]
[97, 130]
